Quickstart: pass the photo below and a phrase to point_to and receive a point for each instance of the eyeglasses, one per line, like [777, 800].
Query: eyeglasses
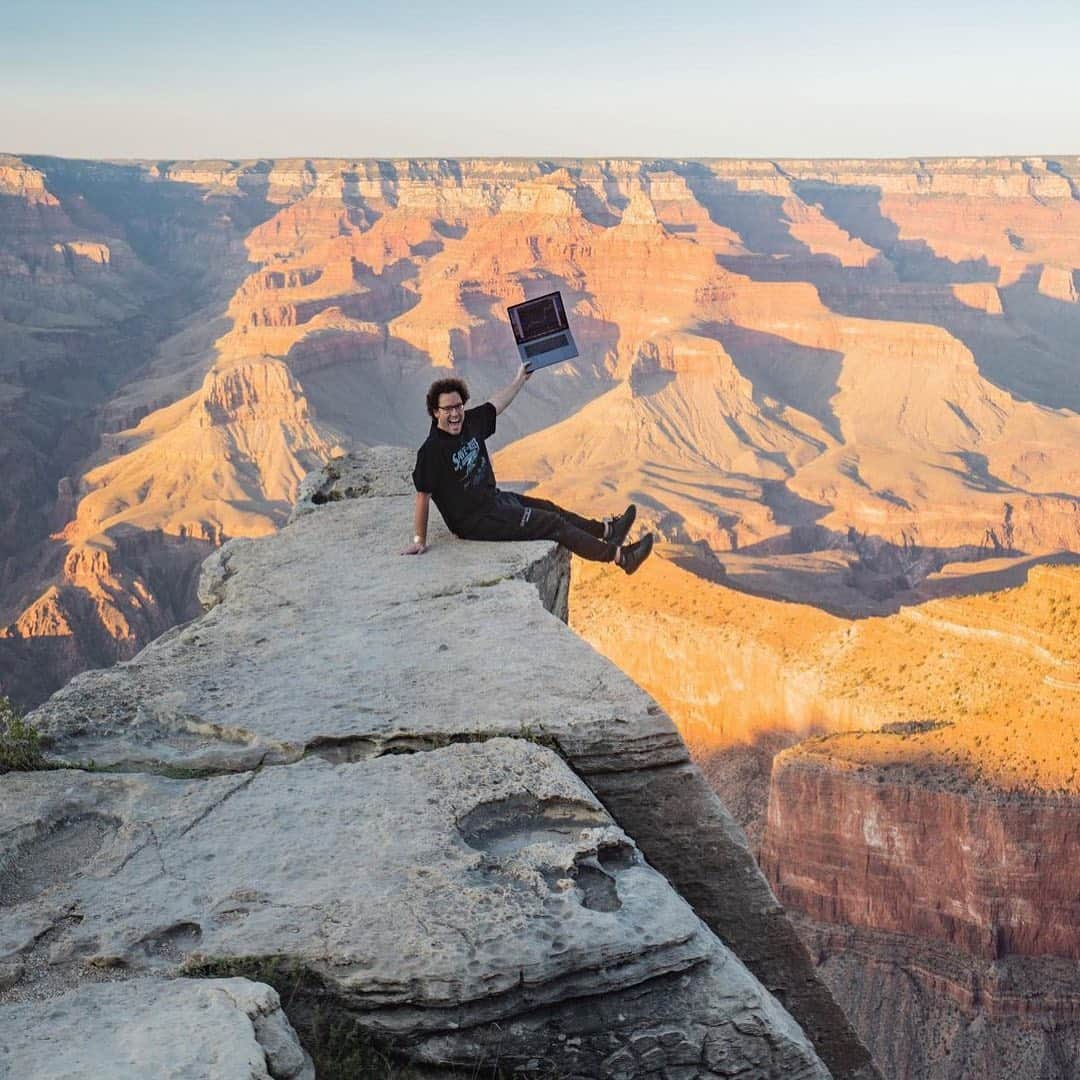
[459, 407]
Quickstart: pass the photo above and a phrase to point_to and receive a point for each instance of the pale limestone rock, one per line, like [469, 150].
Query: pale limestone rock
[474, 902]
[471, 902]
[225, 1029]
[324, 638]
[458, 885]
[382, 470]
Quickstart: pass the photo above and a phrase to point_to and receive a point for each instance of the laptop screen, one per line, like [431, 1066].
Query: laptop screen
[537, 318]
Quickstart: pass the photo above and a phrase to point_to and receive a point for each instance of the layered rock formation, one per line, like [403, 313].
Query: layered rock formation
[930, 853]
[328, 784]
[970, 894]
[947, 850]
[734, 669]
[100, 274]
[773, 352]
[893, 849]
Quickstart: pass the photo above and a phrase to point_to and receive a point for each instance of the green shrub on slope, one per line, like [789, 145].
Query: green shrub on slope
[20, 744]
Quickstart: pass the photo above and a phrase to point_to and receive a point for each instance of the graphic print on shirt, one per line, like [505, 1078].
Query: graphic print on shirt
[466, 460]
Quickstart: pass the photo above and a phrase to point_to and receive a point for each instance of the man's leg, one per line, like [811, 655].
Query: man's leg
[593, 528]
[518, 517]
[614, 530]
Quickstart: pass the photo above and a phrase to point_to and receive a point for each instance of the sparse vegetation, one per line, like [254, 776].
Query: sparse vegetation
[20, 744]
[340, 1047]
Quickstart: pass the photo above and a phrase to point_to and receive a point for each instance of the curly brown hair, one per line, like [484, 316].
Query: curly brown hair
[445, 386]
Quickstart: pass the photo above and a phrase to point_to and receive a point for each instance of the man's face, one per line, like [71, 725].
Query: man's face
[450, 413]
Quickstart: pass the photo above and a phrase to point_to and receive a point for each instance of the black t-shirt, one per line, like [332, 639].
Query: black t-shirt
[455, 470]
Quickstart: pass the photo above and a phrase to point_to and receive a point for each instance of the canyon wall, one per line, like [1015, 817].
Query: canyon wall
[954, 904]
[925, 848]
[773, 354]
[872, 850]
[103, 272]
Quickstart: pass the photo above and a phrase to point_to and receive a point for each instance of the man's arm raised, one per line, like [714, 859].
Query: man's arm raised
[502, 398]
[420, 521]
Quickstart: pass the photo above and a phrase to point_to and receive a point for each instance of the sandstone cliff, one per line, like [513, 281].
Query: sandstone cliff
[947, 846]
[866, 845]
[408, 797]
[101, 274]
[931, 851]
[969, 893]
[735, 670]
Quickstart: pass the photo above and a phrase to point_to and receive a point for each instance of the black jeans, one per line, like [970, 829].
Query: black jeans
[521, 517]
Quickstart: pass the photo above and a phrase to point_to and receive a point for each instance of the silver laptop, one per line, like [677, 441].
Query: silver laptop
[542, 332]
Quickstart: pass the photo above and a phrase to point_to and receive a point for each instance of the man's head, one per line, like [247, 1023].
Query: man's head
[446, 400]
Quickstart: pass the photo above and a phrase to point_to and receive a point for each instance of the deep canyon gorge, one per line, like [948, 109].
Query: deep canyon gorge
[845, 395]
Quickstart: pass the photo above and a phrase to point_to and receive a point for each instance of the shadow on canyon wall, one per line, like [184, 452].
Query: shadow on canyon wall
[798, 375]
[861, 576]
[757, 217]
[739, 773]
[1027, 350]
[78, 624]
[857, 210]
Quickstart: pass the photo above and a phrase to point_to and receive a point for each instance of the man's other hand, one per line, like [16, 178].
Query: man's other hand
[415, 549]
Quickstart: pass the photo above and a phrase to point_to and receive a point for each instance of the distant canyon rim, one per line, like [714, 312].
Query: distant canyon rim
[845, 395]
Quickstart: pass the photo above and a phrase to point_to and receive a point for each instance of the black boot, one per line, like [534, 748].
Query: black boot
[620, 526]
[633, 555]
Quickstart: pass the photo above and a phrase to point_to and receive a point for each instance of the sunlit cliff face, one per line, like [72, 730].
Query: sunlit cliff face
[977, 691]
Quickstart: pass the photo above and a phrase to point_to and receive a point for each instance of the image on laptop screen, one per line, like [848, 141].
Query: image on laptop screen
[537, 318]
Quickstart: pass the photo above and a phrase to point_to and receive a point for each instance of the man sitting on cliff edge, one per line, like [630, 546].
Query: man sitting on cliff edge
[453, 468]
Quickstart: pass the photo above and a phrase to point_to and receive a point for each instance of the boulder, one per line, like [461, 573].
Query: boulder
[423, 889]
[431, 898]
[185, 1029]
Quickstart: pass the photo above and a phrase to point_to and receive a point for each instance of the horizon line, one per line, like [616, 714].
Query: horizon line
[159, 159]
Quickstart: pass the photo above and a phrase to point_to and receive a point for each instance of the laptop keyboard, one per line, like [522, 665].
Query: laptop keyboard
[539, 347]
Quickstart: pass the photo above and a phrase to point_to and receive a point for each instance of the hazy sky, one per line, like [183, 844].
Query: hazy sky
[234, 79]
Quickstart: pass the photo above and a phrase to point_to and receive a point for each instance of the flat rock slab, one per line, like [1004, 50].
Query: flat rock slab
[426, 890]
[184, 1029]
[323, 638]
